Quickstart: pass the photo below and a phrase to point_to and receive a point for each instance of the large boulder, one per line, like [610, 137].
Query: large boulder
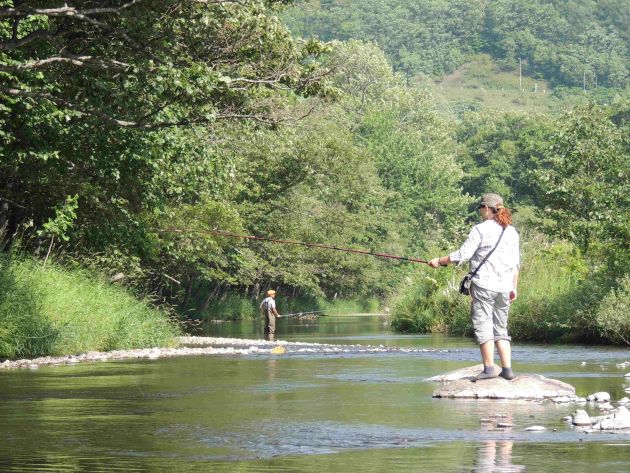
[524, 386]
[619, 420]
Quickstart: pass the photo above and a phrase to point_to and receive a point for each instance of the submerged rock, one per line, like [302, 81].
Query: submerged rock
[536, 428]
[523, 386]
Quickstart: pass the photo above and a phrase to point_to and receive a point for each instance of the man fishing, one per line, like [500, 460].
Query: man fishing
[269, 312]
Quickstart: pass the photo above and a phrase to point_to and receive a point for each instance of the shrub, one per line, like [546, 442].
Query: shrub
[613, 314]
[551, 276]
[432, 304]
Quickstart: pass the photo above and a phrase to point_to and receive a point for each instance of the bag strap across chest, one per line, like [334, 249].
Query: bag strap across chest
[472, 275]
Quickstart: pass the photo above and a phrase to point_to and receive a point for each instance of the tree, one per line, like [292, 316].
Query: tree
[584, 180]
[94, 96]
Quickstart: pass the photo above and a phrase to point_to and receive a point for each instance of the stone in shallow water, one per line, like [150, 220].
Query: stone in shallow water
[463, 373]
[536, 428]
[619, 420]
[581, 417]
[601, 396]
[523, 386]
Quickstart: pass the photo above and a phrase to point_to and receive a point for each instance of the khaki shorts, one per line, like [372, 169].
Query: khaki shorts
[489, 314]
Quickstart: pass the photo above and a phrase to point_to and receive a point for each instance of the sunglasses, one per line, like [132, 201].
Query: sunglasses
[482, 206]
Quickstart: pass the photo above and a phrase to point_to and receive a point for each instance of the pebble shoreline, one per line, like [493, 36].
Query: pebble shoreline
[195, 346]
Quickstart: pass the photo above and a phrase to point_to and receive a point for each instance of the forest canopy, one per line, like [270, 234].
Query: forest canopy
[563, 42]
[132, 130]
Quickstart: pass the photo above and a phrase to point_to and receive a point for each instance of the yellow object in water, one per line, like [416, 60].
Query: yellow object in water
[278, 350]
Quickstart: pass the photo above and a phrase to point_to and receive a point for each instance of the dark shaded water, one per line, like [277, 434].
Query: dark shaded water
[304, 412]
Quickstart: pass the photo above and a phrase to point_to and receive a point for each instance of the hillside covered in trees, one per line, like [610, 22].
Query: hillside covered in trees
[566, 43]
[132, 130]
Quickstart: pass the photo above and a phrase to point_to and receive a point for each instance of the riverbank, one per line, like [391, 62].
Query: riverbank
[196, 346]
[570, 301]
[54, 309]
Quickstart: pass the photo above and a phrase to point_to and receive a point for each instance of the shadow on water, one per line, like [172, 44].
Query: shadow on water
[367, 411]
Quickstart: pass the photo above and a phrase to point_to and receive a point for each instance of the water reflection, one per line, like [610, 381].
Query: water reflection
[495, 456]
[310, 412]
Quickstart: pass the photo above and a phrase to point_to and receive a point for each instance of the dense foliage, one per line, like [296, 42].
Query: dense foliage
[132, 130]
[566, 42]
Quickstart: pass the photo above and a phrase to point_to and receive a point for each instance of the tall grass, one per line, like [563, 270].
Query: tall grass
[24, 329]
[550, 276]
[55, 310]
[546, 308]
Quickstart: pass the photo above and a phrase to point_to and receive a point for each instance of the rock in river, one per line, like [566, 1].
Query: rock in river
[524, 386]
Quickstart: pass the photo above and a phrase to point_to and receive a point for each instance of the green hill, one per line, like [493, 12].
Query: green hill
[482, 84]
[566, 43]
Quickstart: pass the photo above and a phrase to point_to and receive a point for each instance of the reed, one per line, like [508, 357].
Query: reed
[54, 310]
[545, 309]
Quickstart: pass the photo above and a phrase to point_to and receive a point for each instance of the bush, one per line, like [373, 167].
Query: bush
[613, 314]
[551, 276]
[232, 306]
[432, 304]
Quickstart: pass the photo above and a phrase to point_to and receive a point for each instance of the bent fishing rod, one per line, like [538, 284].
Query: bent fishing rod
[301, 243]
[305, 314]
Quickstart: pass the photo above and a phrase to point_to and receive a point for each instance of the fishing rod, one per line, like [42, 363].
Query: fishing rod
[301, 243]
[303, 314]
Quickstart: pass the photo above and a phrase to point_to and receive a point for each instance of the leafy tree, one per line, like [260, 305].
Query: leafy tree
[427, 36]
[584, 181]
[108, 100]
[498, 152]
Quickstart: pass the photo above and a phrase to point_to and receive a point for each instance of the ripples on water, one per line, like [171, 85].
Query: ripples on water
[337, 407]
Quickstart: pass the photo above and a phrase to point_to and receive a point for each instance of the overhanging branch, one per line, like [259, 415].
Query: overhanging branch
[90, 61]
[113, 121]
[63, 11]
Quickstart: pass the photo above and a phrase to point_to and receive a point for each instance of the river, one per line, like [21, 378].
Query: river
[312, 412]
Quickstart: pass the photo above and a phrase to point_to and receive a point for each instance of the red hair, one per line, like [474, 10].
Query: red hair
[503, 216]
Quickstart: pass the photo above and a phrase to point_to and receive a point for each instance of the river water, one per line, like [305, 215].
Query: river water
[311, 412]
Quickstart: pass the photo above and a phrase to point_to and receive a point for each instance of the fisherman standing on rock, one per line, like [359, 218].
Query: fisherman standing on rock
[269, 312]
[492, 247]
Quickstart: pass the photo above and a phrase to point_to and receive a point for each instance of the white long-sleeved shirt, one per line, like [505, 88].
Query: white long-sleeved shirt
[497, 273]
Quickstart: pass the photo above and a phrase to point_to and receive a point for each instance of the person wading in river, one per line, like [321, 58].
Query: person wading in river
[269, 312]
[493, 287]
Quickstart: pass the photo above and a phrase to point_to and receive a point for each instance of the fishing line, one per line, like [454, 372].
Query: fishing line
[301, 243]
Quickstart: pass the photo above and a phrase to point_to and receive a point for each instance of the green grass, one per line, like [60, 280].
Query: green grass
[53, 310]
[547, 307]
[481, 84]
[550, 275]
